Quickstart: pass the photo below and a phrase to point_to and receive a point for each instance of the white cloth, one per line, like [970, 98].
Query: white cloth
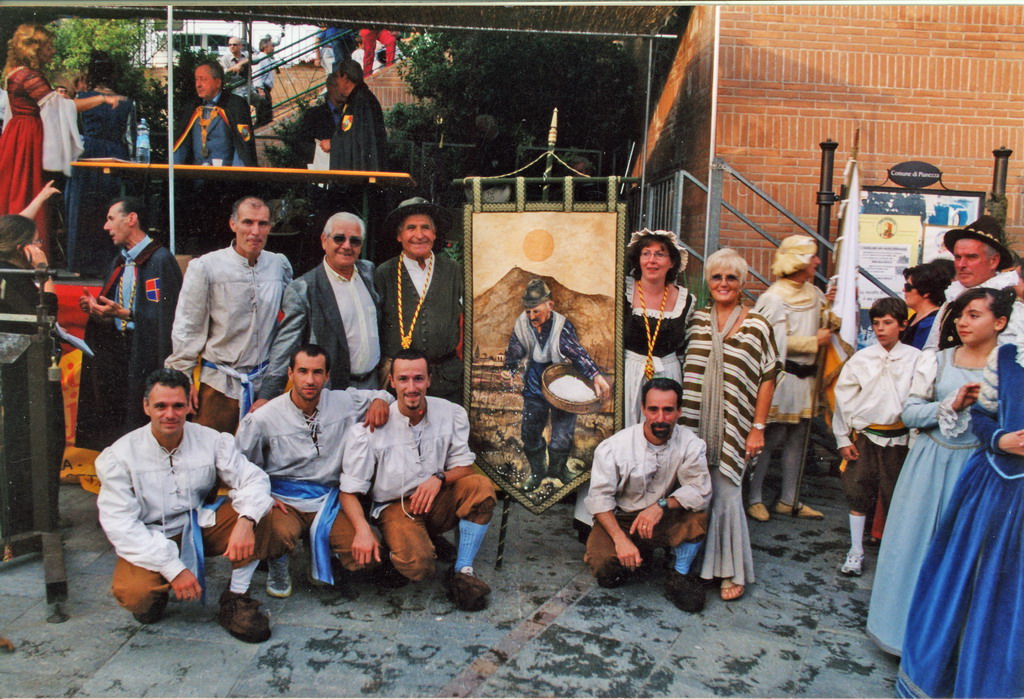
[148, 492]
[1003, 280]
[227, 312]
[62, 142]
[419, 276]
[359, 316]
[871, 390]
[277, 437]
[392, 461]
[630, 473]
[4, 110]
[668, 367]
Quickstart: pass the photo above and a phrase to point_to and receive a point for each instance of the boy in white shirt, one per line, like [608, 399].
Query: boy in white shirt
[872, 439]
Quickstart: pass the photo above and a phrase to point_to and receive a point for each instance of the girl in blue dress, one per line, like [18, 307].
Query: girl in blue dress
[965, 635]
[945, 385]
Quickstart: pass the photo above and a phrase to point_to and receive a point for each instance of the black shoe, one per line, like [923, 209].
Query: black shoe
[444, 549]
[685, 591]
[468, 592]
[613, 575]
[387, 577]
[154, 613]
[240, 614]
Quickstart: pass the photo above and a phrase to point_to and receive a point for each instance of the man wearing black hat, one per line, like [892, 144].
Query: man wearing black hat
[421, 296]
[543, 337]
[982, 259]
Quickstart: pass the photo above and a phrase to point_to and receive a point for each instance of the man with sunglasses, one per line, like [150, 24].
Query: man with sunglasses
[335, 305]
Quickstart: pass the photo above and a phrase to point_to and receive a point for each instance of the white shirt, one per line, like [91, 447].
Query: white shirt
[405, 456]
[227, 312]
[419, 276]
[1014, 326]
[148, 491]
[359, 316]
[871, 390]
[278, 438]
[630, 473]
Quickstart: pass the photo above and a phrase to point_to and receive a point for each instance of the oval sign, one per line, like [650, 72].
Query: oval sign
[914, 173]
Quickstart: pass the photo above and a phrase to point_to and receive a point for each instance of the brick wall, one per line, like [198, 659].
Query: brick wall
[941, 84]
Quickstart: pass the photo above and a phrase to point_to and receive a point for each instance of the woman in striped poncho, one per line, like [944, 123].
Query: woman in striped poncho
[729, 376]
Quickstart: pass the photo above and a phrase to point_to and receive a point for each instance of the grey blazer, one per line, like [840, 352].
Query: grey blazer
[311, 311]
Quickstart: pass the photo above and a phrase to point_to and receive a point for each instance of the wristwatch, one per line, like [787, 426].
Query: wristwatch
[663, 503]
[441, 476]
[759, 426]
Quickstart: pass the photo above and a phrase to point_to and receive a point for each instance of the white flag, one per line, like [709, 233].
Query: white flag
[847, 264]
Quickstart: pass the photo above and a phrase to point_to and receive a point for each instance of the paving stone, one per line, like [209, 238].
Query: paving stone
[24, 684]
[157, 665]
[847, 665]
[566, 662]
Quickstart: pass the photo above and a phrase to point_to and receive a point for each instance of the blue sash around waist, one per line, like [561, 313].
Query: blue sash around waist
[320, 530]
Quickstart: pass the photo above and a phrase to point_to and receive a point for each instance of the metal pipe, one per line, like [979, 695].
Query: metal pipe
[171, 238]
[647, 131]
[826, 197]
[1002, 155]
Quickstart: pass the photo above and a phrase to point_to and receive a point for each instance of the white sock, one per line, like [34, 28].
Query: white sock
[857, 533]
[241, 577]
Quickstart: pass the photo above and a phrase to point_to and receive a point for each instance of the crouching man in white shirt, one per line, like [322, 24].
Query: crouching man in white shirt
[650, 488]
[418, 469]
[158, 507]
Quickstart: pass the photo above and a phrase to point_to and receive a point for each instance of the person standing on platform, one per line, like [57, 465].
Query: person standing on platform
[370, 38]
[227, 314]
[21, 144]
[360, 140]
[796, 310]
[129, 328]
[319, 123]
[234, 64]
[421, 296]
[218, 127]
[107, 132]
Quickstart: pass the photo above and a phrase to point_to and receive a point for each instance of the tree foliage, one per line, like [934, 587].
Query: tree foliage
[519, 79]
[125, 41]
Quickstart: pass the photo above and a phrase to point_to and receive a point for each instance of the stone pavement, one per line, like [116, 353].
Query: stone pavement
[549, 631]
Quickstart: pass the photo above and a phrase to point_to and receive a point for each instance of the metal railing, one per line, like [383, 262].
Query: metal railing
[664, 207]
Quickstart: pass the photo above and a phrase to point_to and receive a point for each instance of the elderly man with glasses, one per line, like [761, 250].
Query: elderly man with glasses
[334, 305]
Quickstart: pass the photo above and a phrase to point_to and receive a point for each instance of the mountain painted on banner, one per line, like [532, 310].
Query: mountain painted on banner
[495, 311]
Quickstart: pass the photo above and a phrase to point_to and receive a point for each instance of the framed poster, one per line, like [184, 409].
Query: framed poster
[889, 243]
[543, 299]
[938, 209]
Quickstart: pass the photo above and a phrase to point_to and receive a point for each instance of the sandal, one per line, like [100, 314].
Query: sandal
[731, 591]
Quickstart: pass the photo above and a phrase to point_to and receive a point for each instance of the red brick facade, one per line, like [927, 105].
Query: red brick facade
[943, 84]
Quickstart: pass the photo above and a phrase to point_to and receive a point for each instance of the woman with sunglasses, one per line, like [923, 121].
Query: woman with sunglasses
[924, 292]
[729, 345]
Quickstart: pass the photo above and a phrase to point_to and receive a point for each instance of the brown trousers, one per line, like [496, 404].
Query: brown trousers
[137, 589]
[875, 472]
[216, 410]
[676, 526]
[288, 526]
[471, 497]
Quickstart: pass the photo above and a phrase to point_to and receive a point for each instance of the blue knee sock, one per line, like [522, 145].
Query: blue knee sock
[685, 553]
[471, 535]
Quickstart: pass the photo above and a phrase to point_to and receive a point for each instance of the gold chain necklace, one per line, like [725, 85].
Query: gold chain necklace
[649, 365]
[407, 339]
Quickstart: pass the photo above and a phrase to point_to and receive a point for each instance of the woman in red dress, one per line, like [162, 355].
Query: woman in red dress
[21, 144]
